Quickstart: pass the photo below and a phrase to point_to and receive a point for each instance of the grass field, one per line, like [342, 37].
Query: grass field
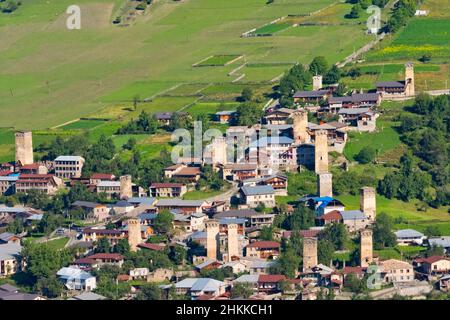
[271, 28]
[82, 125]
[51, 75]
[386, 139]
[218, 60]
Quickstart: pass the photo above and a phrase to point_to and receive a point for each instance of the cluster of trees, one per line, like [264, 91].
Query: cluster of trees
[299, 78]
[9, 6]
[349, 182]
[366, 155]
[426, 131]
[42, 264]
[402, 11]
[249, 113]
[145, 123]
[359, 6]
[210, 179]
[408, 183]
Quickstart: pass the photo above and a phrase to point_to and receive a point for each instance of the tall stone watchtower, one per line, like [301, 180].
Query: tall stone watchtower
[24, 147]
[409, 79]
[325, 184]
[300, 126]
[219, 151]
[366, 248]
[126, 190]
[212, 239]
[367, 202]
[317, 82]
[134, 233]
[233, 245]
[321, 152]
[309, 253]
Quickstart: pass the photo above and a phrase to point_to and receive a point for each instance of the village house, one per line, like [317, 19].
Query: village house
[254, 196]
[100, 259]
[443, 241]
[361, 119]
[98, 211]
[409, 236]
[151, 246]
[45, 183]
[11, 293]
[253, 219]
[8, 183]
[34, 168]
[336, 133]
[75, 278]
[329, 218]
[9, 258]
[263, 250]
[190, 223]
[270, 283]
[195, 287]
[183, 206]
[356, 100]
[355, 220]
[182, 173]
[67, 167]
[167, 190]
[260, 266]
[96, 178]
[236, 266]
[279, 116]
[278, 181]
[272, 150]
[239, 171]
[113, 236]
[227, 116]
[393, 271]
[311, 97]
[433, 265]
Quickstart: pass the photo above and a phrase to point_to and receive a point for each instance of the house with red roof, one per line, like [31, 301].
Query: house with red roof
[263, 249]
[433, 265]
[101, 259]
[151, 246]
[270, 283]
[328, 218]
[167, 190]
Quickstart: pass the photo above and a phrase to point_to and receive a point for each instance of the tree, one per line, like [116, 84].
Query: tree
[163, 222]
[355, 12]
[249, 113]
[242, 290]
[341, 90]
[50, 287]
[266, 233]
[149, 291]
[178, 255]
[366, 155]
[247, 94]
[333, 75]
[287, 263]
[336, 233]
[103, 246]
[122, 247]
[325, 251]
[354, 284]
[302, 218]
[382, 232]
[318, 66]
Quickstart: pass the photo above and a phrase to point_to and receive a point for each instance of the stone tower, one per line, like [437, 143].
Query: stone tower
[233, 245]
[212, 239]
[24, 147]
[321, 152]
[126, 191]
[317, 82]
[300, 127]
[409, 79]
[134, 233]
[366, 248]
[367, 202]
[325, 184]
[219, 151]
[309, 253]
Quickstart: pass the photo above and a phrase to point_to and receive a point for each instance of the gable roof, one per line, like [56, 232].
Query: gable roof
[408, 233]
[264, 245]
[353, 215]
[179, 203]
[271, 278]
[257, 190]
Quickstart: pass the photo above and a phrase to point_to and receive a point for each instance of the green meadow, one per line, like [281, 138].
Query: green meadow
[50, 75]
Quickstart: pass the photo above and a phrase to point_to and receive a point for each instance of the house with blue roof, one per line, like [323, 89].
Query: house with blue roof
[322, 205]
